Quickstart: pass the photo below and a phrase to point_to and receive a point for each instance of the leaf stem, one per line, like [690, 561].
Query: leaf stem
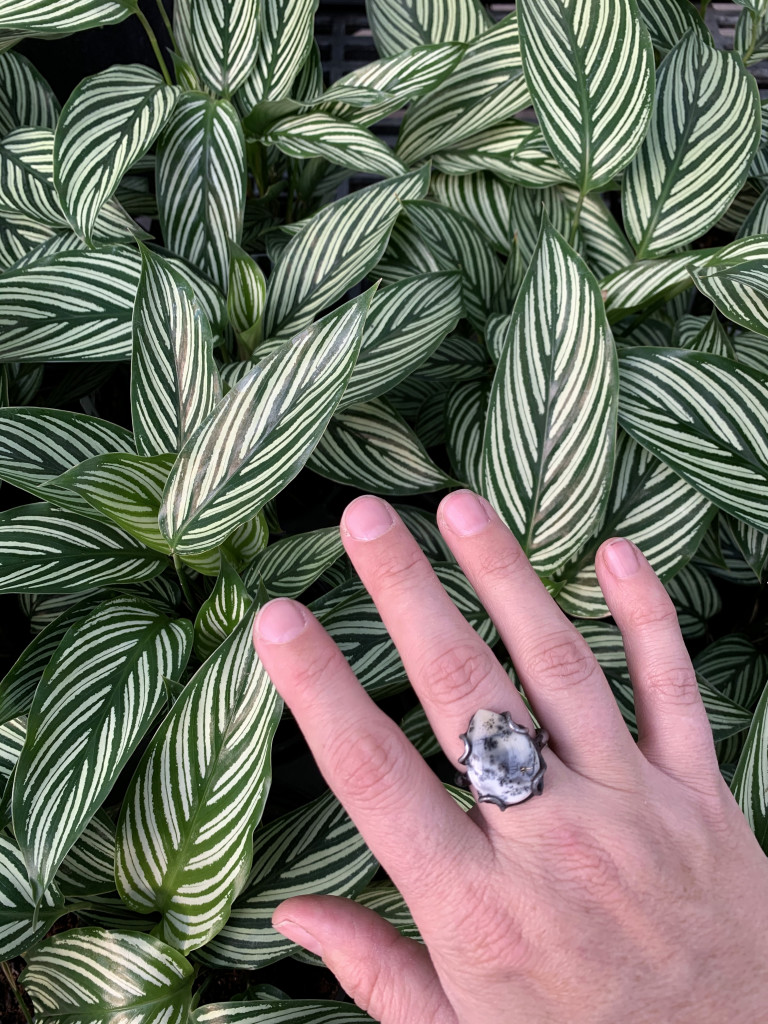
[575, 221]
[167, 23]
[183, 581]
[15, 989]
[155, 46]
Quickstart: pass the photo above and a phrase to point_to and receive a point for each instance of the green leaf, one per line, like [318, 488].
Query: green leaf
[589, 67]
[109, 121]
[423, 526]
[486, 87]
[695, 598]
[707, 418]
[372, 448]
[23, 919]
[650, 505]
[48, 18]
[261, 433]
[219, 40]
[313, 849]
[705, 102]
[708, 336]
[750, 780]
[246, 298]
[750, 40]
[456, 358]
[11, 742]
[735, 278]
[465, 416]
[751, 350]
[481, 198]
[96, 699]
[292, 564]
[26, 99]
[127, 489]
[306, 136]
[89, 867]
[669, 20]
[407, 322]
[21, 237]
[402, 24]
[415, 725]
[550, 434]
[649, 282]
[220, 613]
[184, 834]
[733, 665]
[285, 43]
[38, 445]
[108, 976]
[514, 151]
[752, 543]
[278, 1011]
[201, 182]
[333, 251]
[174, 379]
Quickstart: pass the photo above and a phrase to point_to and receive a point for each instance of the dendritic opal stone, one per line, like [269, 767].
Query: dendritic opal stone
[504, 763]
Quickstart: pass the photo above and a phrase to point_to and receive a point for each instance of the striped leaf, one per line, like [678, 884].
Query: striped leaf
[709, 337]
[497, 330]
[406, 255]
[219, 40]
[735, 278]
[372, 448]
[26, 99]
[720, 556]
[407, 322]
[38, 445]
[589, 68]
[667, 22]
[108, 976]
[402, 24]
[89, 867]
[307, 136]
[752, 543]
[52, 18]
[11, 742]
[465, 416]
[385, 899]
[549, 439]
[750, 780]
[707, 419]
[292, 564]
[733, 665]
[114, 660]
[481, 198]
[649, 282]
[47, 550]
[220, 613]
[415, 725]
[201, 183]
[247, 541]
[279, 1011]
[17, 687]
[261, 433]
[514, 151]
[246, 298]
[756, 221]
[23, 919]
[486, 87]
[127, 489]
[334, 251]
[19, 238]
[284, 45]
[184, 833]
[174, 379]
[650, 505]
[750, 40]
[313, 849]
[751, 349]
[705, 102]
[109, 121]
[423, 527]
[695, 598]
[457, 358]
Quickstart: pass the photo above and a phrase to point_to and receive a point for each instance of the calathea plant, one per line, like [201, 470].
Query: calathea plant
[567, 312]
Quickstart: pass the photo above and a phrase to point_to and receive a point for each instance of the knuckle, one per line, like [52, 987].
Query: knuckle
[562, 661]
[317, 663]
[659, 613]
[401, 570]
[366, 768]
[496, 564]
[587, 870]
[672, 685]
[456, 673]
[488, 936]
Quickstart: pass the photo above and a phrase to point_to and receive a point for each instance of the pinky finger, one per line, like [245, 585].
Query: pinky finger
[389, 976]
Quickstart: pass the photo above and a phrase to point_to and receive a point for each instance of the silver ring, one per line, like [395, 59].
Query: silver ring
[504, 762]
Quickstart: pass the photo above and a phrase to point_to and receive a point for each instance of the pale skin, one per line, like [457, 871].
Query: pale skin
[631, 890]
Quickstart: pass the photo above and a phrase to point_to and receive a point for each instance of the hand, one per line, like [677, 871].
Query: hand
[631, 891]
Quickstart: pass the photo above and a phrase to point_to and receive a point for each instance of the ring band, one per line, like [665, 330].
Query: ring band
[504, 762]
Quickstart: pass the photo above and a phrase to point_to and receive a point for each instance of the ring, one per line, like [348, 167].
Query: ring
[504, 763]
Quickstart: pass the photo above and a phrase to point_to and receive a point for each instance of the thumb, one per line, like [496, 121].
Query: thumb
[389, 976]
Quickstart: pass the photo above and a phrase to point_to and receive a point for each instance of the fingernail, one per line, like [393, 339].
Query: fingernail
[368, 518]
[621, 558]
[280, 620]
[465, 513]
[296, 933]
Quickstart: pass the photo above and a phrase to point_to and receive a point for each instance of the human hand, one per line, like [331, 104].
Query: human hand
[631, 891]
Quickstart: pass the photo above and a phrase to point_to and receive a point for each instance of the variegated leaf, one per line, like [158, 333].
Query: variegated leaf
[284, 44]
[735, 278]
[201, 182]
[398, 25]
[423, 526]
[752, 350]
[279, 1011]
[334, 251]
[371, 447]
[650, 505]
[466, 415]
[109, 121]
[246, 298]
[21, 237]
[407, 322]
[668, 20]
[127, 489]
[26, 99]
[750, 780]
[292, 564]
[750, 40]
[415, 725]
[48, 550]
[707, 418]
[733, 665]
[12, 735]
[695, 598]
[456, 358]
[649, 281]
[261, 433]
[184, 834]
[114, 660]
[589, 67]
[218, 39]
[710, 337]
[89, 867]
[705, 102]
[50, 18]
[387, 902]
[220, 613]
[313, 849]
[550, 434]
[107, 977]
[481, 198]
[174, 379]
[307, 136]
[406, 255]
[486, 87]
[514, 151]
[24, 919]
[752, 543]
